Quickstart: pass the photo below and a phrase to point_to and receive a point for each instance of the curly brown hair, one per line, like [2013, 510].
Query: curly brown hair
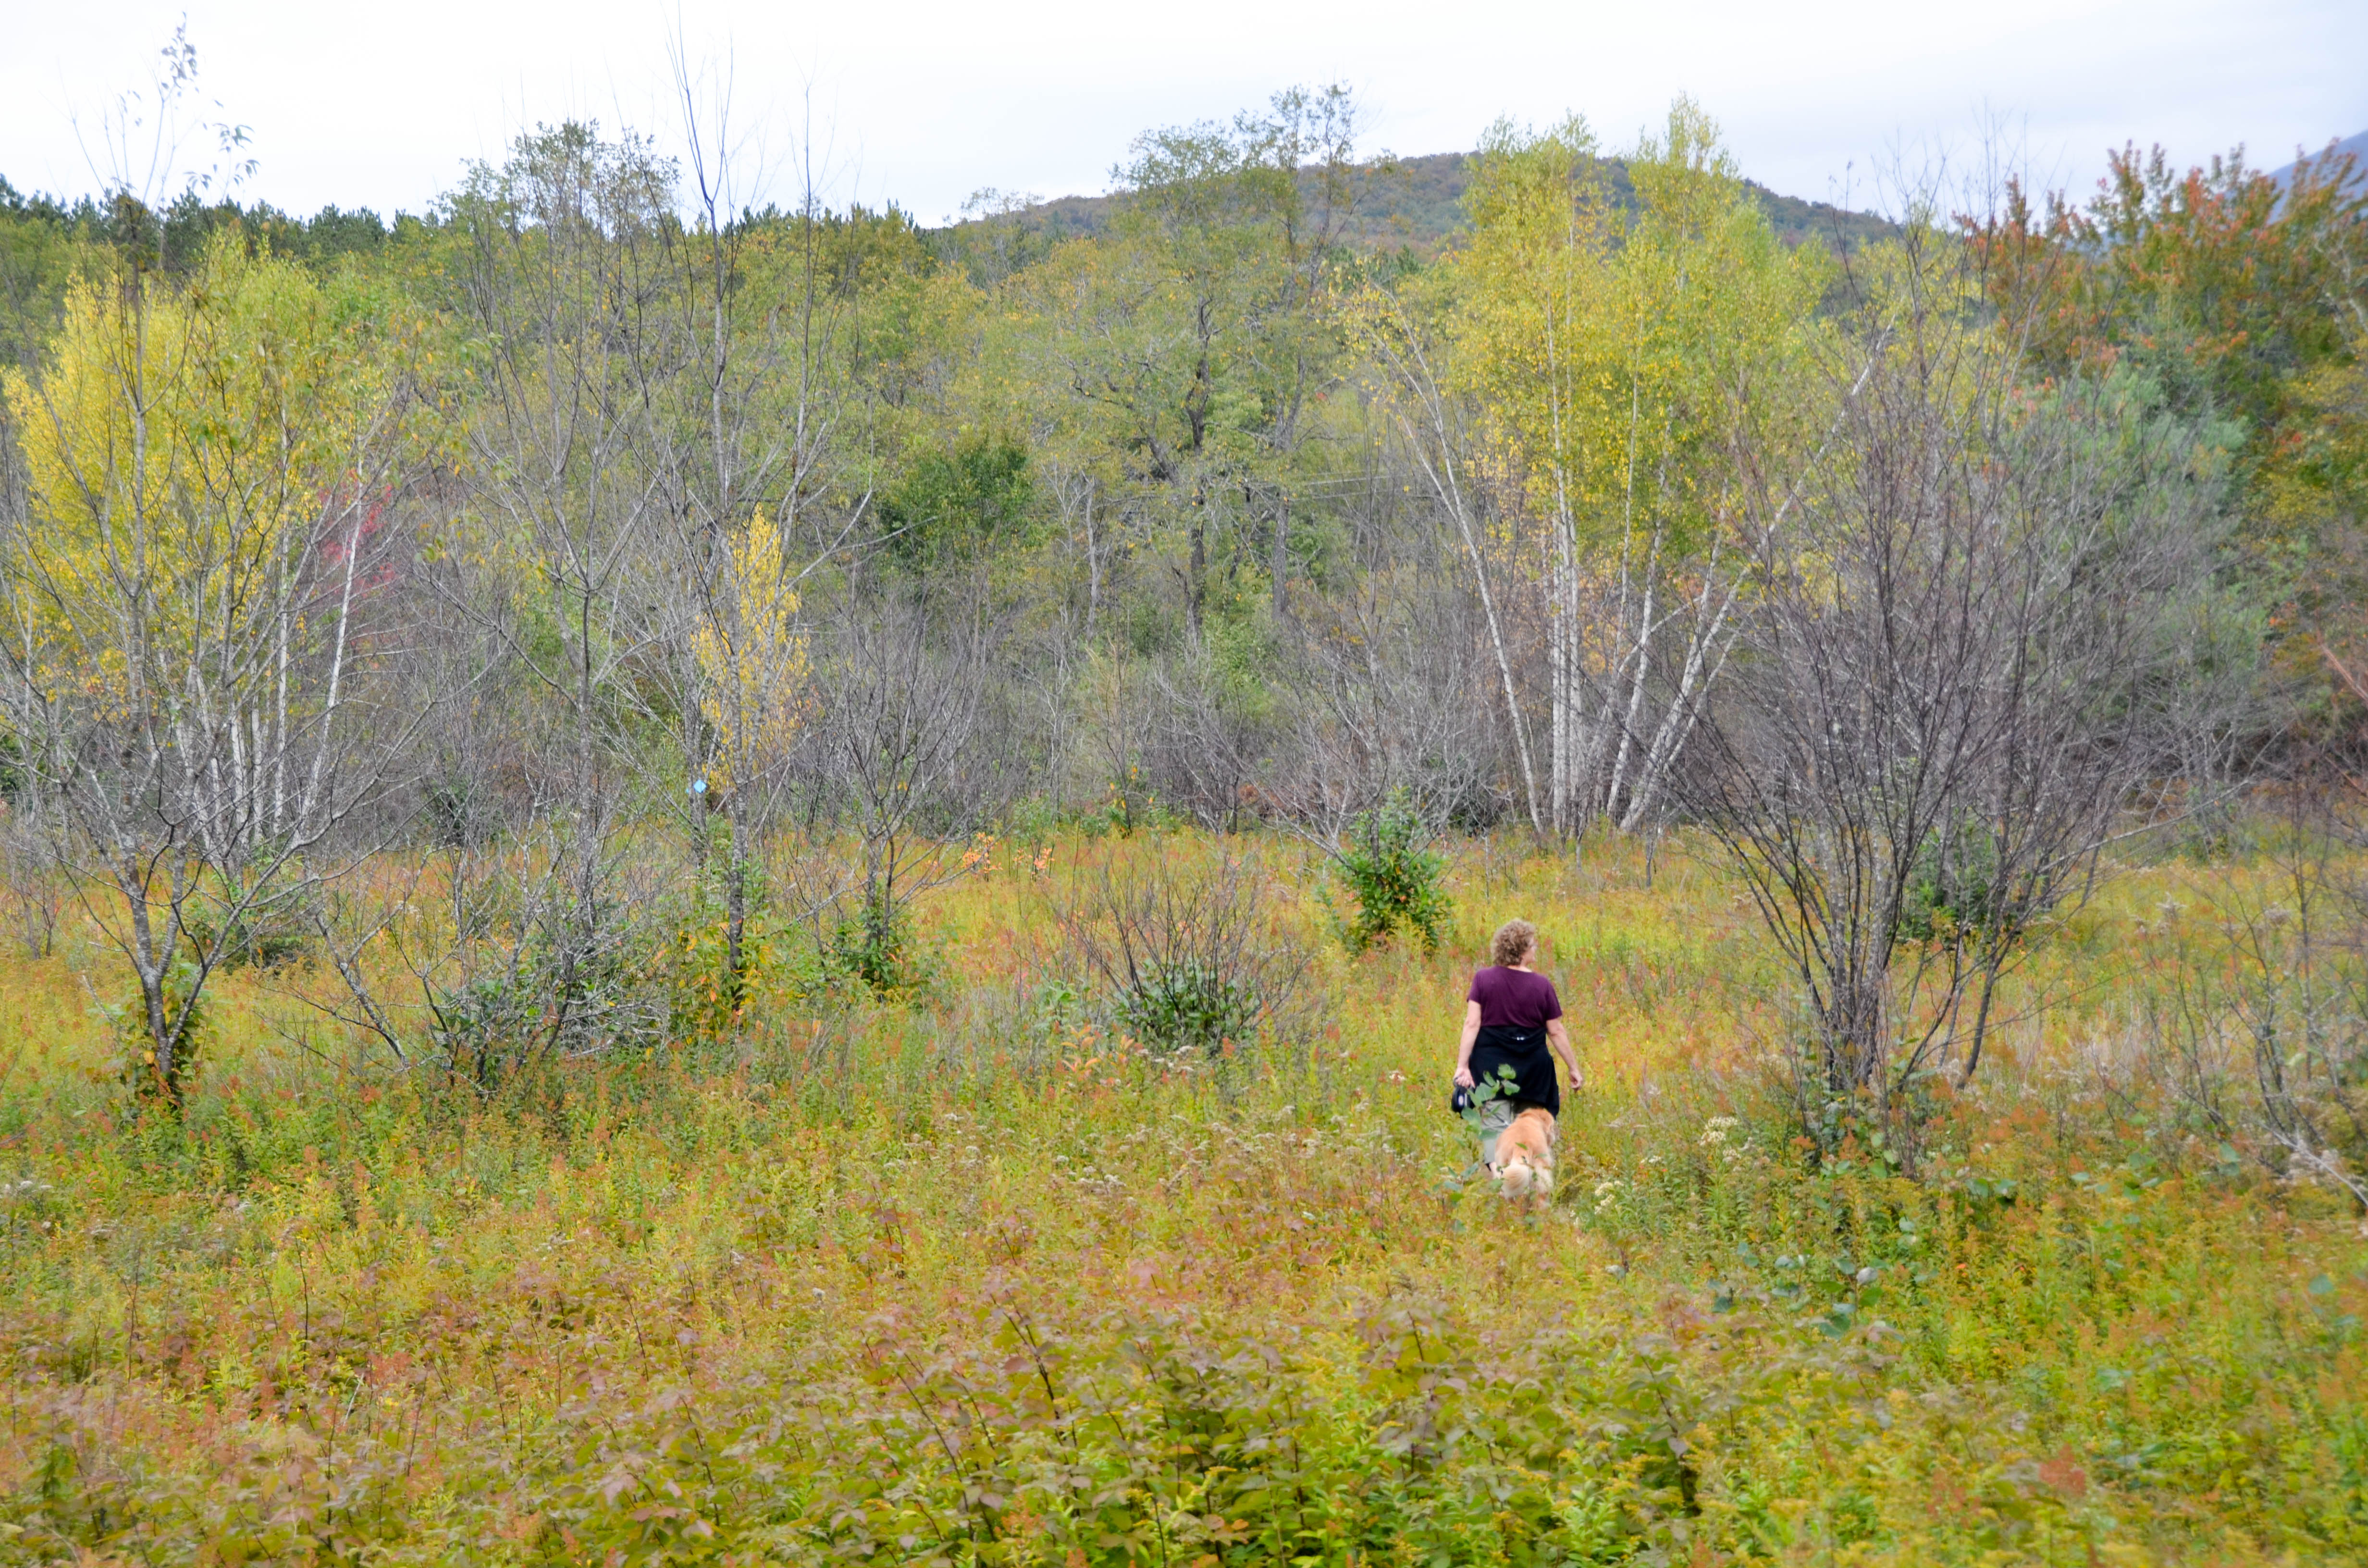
[1512, 943]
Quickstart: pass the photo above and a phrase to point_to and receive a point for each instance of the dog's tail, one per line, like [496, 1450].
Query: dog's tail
[1523, 1179]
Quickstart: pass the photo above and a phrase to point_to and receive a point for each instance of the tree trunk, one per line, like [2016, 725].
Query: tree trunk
[1093, 566]
[735, 905]
[1283, 559]
[1563, 664]
[1195, 590]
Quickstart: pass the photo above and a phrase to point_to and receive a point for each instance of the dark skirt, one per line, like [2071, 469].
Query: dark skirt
[1525, 1054]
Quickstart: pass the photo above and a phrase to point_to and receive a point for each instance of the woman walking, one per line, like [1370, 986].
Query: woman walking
[1512, 1025]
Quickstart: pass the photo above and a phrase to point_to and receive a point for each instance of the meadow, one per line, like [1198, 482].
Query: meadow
[965, 1276]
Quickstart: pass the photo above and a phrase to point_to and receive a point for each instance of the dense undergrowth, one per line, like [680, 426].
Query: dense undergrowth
[962, 1278]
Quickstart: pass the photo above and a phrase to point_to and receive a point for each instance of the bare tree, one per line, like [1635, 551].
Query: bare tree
[1982, 631]
[1424, 415]
[1211, 728]
[468, 955]
[745, 400]
[1392, 700]
[561, 279]
[907, 746]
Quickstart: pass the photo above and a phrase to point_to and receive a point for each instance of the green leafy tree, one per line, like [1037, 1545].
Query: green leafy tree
[1182, 350]
[2243, 296]
[959, 502]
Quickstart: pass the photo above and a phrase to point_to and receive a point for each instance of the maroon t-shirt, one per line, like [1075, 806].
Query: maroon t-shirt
[1513, 998]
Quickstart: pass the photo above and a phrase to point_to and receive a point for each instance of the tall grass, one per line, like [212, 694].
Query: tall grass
[973, 1278]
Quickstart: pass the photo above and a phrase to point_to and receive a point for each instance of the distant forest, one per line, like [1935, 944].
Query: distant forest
[1413, 204]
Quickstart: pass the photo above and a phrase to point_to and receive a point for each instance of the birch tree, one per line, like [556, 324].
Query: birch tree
[190, 637]
[1614, 354]
[1411, 386]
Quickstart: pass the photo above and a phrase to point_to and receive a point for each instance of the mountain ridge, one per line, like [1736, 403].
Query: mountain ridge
[1415, 204]
[2356, 147]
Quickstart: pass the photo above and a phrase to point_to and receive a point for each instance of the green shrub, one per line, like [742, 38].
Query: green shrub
[184, 1011]
[254, 939]
[1190, 1003]
[1394, 878]
[876, 946]
[955, 503]
[1952, 886]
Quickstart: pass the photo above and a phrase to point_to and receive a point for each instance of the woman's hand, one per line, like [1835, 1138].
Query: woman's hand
[1464, 1078]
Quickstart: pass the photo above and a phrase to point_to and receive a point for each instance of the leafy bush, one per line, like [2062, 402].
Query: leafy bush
[1127, 803]
[547, 1000]
[1394, 877]
[876, 946]
[256, 939]
[186, 1010]
[1187, 1003]
[1951, 887]
[485, 1025]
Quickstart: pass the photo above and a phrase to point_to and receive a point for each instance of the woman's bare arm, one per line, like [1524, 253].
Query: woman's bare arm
[1463, 1052]
[1559, 1037]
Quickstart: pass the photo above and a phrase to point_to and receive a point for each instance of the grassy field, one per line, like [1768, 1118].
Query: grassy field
[968, 1280]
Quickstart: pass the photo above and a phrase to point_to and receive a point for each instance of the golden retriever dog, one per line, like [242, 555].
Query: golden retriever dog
[1525, 1156]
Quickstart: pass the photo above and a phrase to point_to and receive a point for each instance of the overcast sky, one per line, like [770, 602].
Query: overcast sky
[926, 101]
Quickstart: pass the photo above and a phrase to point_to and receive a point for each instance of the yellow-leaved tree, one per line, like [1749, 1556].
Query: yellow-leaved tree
[210, 468]
[751, 648]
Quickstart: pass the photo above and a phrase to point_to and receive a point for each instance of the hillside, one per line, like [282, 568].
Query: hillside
[1416, 203]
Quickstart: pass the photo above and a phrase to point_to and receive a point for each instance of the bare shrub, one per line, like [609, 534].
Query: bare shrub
[1191, 958]
[2256, 1007]
[1214, 724]
[1392, 703]
[909, 750]
[477, 963]
[28, 872]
